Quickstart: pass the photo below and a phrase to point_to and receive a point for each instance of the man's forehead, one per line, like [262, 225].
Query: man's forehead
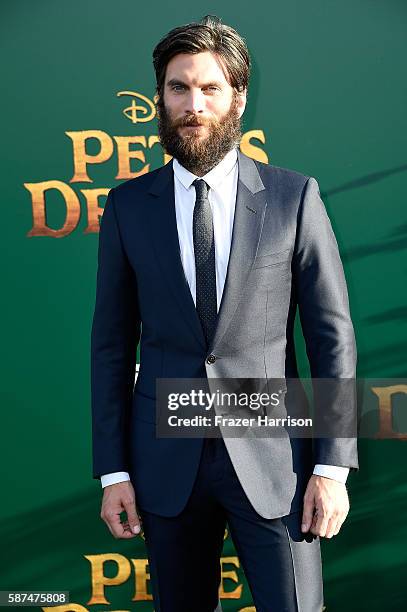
[195, 68]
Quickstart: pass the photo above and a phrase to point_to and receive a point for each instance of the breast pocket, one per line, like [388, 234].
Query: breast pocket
[273, 259]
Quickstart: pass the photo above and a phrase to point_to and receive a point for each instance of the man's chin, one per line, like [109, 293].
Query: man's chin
[195, 142]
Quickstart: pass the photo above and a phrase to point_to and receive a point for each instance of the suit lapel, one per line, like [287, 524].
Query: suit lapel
[247, 226]
[166, 244]
[248, 222]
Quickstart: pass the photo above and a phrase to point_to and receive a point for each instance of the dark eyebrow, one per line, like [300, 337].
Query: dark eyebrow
[175, 82]
[172, 82]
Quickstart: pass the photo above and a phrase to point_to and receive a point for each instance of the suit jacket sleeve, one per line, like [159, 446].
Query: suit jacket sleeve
[114, 338]
[325, 318]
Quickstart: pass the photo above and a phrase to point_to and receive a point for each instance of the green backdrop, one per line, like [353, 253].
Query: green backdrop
[328, 99]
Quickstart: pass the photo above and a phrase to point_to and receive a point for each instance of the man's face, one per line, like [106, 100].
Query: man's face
[199, 113]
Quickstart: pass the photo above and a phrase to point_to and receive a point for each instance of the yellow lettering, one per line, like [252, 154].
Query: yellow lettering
[93, 208]
[73, 209]
[71, 607]
[251, 150]
[81, 158]
[385, 411]
[99, 580]
[152, 140]
[125, 155]
[142, 577]
[231, 575]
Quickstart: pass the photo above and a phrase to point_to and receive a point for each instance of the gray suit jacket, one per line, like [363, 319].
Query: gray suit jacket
[283, 256]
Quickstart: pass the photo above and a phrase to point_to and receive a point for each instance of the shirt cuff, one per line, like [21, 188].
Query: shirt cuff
[113, 478]
[335, 472]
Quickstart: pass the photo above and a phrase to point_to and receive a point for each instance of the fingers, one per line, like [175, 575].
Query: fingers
[326, 501]
[328, 524]
[116, 499]
[332, 527]
[340, 520]
[321, 522]
[308, 512]
[324, 518]
[328, 521]
[339, 524]
[118, 529]
[133, 520]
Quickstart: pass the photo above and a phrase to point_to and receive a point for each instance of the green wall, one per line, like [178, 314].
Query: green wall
[328, 92]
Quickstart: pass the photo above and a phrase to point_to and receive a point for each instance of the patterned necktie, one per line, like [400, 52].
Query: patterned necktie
[204, 249]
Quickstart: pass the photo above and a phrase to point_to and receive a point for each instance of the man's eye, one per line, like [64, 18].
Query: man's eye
[213, 88]
[177, 87]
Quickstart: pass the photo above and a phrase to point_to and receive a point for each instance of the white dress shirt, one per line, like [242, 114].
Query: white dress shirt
[222, 180]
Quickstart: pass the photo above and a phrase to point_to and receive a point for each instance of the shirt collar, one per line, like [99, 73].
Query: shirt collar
[214, 177]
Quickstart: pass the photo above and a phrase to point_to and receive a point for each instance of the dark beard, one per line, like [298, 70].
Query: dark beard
[199, 155]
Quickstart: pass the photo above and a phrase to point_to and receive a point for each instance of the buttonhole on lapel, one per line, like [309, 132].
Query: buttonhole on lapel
[251, 209]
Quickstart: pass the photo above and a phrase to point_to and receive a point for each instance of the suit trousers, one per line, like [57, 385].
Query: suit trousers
[282, 566]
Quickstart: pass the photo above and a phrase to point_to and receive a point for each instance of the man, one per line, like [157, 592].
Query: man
[207, 259]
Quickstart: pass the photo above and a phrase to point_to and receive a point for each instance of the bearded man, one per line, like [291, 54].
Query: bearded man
[205, 261]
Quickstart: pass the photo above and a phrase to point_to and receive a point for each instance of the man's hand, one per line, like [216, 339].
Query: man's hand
[117, 498]
[329, 499]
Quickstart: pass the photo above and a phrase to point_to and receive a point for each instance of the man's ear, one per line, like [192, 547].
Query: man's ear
[241, 101]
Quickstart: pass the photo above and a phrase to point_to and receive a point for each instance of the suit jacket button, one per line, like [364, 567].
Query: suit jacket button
[211, 358]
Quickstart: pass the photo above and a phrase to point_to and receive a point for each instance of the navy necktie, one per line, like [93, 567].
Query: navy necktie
[204, 250]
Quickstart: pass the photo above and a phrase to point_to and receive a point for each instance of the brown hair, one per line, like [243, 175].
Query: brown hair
[207, 35]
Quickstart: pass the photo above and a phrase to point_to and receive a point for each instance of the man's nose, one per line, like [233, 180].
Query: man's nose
[195, 101]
